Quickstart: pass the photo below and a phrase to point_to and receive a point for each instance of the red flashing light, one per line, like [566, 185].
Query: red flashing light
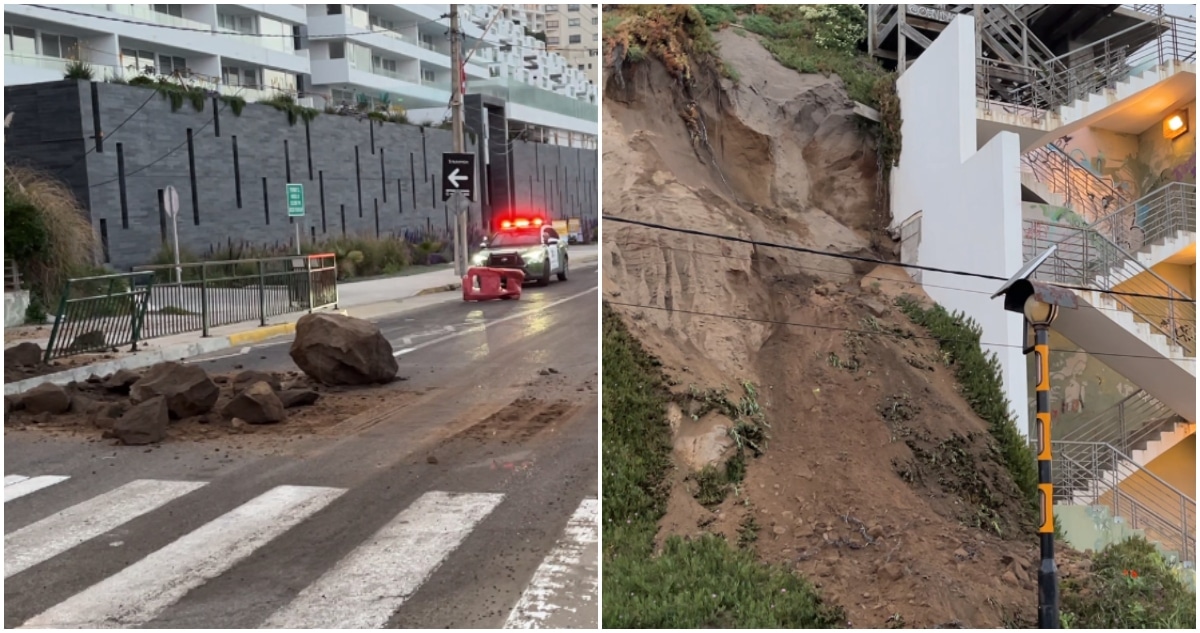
[520, 223]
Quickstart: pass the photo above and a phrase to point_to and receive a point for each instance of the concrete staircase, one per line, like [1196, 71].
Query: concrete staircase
[1097, 474]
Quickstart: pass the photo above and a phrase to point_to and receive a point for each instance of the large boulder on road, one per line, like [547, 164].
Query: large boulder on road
[27, 354]
[145, 423]
[339, 350]
[47, 398]
[187, 388]
[256, 404]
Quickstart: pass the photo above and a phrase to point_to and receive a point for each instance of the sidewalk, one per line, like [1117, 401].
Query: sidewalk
[370, 299]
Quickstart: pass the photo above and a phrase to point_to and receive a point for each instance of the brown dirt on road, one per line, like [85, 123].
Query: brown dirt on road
[878, 482]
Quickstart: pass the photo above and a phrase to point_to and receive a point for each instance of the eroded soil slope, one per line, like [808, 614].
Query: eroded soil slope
[877, 481]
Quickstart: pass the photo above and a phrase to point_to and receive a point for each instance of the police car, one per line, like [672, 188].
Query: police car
[528, 244]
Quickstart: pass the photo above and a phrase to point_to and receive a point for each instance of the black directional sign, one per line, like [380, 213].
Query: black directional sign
[458, 175]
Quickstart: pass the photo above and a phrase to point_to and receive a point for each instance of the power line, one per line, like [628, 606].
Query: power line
[846, 274]
[102, 136]
[164, 156]
[869, 260]
[835, 328]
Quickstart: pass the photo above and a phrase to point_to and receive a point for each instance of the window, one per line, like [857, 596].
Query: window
[552, 40]
[387, 65]
[168, 64]
[236, 23]
[573, 22]
[244, 77]
[593, 52]
[331, 9]
[61, 46]
[595, 20]
[337, 50]
[382, 23]
[20, 40]
[428, 76]
[572, 7]
[170, 9]
[551, 8]
[139, 61]
[552, 24]
[427, 41]
[581, 67]
[575, 39]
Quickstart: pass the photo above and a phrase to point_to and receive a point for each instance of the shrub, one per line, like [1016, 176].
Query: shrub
[1131, 586]
[46, 232]
[78, 70]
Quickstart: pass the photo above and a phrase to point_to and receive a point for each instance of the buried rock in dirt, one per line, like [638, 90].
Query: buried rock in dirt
[188, 389]
[257, 404]
[145, 423]
[340, 350]
[297, 397]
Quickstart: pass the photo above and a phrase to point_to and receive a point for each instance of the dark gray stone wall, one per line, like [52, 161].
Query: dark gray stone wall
[47, 131]
[360, 177]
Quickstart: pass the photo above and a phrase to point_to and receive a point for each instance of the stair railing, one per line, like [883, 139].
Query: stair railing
[1091, 196]
[1155, 217]
[1096, 473]
[1129, 425]
[1086, 258]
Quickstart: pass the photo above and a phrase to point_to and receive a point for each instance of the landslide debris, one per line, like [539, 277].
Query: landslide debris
[873, 478]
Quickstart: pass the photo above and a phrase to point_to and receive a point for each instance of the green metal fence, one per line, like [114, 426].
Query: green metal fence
[97, 314]
[194, 297]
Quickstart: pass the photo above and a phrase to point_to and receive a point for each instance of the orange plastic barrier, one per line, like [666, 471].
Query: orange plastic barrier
[482, 283]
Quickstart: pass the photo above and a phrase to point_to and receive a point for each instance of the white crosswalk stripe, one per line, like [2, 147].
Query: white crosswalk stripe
[140, 592]
[60, 532]
[17, 486]
[567, 577]
[364, 589]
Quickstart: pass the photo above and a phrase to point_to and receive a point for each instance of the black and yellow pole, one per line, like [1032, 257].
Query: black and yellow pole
[1048, 569]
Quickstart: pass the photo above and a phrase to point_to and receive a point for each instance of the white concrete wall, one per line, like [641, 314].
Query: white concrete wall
[970, 201]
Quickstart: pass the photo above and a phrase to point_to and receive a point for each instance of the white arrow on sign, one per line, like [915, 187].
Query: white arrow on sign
[455, 178]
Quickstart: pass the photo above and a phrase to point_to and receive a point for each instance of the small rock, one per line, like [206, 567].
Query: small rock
[1010, 578]
[121, 381]
[251, 376]
[779, 530]
[47, 398]
[145, 423]
[874, 307]
[876, 531]
[89, 342]
[892, 571]
[1020, 573]
[431, 459]
[83, 404]
[297, 397]
[94, 379]
[27, 354]
[257, 404]
[237, 423]
[188, 389]
[961, 553]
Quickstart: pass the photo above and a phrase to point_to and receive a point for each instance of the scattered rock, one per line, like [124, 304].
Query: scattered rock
[47, 398]
[251, 376]
[876, 531]
[297, 397]
[892, 571]
[89, 341]
[145, 423]
[121, 381]
[83, 404]
[548, 371]
[94, 379]
[1010, 578]
[431, 459]
[27, 354]
[341, 350]
[961, 554]
[779, 530]
[874, 307]
[257, 404]
[188, 389]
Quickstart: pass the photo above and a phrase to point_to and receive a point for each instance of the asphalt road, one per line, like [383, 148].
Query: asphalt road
[471, 503]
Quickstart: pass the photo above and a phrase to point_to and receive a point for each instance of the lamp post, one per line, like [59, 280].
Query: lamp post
[1039, 303]
[1040, 315]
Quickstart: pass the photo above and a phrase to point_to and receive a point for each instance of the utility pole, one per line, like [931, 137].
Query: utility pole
[456, 107]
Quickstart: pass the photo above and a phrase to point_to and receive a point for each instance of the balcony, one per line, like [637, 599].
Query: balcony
[146, 14]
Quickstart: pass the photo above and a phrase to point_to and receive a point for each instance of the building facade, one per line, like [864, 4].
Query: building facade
[385, 57]
[573, 31]
[1080, 139]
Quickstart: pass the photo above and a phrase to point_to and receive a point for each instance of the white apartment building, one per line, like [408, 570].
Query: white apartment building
[324, 55]
[573, 31]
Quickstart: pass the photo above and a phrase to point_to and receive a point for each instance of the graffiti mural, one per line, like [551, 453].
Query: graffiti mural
[1081, 387]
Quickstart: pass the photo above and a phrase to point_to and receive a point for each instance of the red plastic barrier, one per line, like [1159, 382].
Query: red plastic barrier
[482, 283]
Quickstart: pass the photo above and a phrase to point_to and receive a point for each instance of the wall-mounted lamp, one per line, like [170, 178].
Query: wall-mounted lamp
[1175, 125]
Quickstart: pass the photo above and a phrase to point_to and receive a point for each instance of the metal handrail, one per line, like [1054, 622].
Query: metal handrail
[1085, 257]
[1086, 193]
[1092, 473]
[1136, 418]
[1153, 217]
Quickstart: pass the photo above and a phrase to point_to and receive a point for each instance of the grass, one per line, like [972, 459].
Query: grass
[691, 583]
[1131, 586]
[978, 375]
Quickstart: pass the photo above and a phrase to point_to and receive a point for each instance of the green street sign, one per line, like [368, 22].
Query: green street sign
[295, 201]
